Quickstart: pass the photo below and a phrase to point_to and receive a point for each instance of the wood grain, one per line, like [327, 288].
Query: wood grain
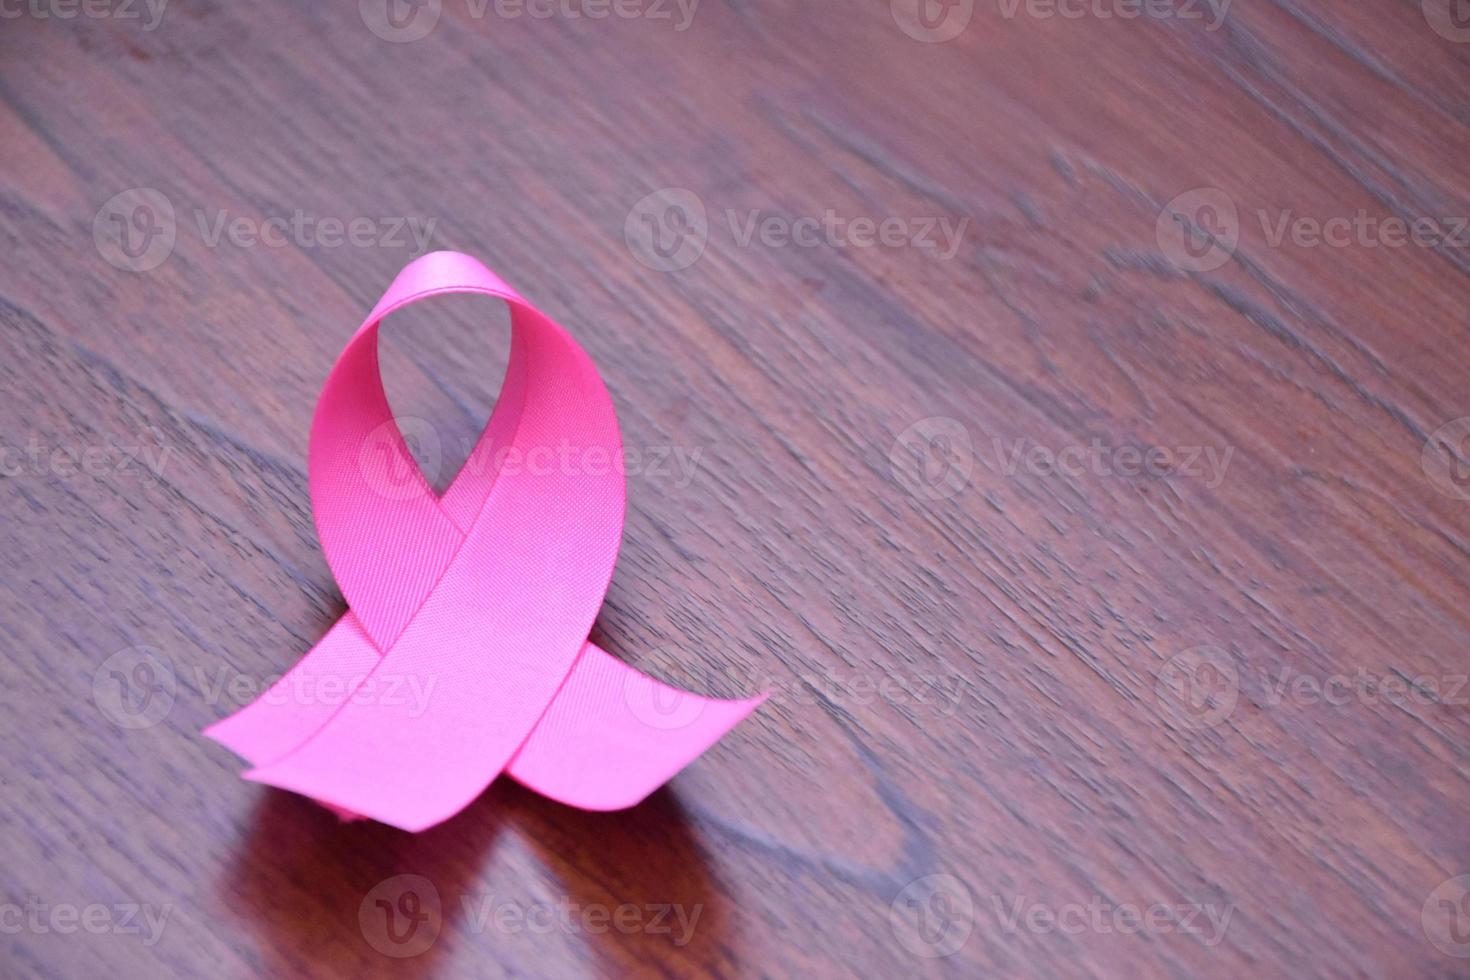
[1226, 696]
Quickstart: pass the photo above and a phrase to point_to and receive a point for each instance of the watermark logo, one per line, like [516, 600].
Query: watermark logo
[1199, 230]
[1446, 917]
[933, 916]
[1199, 687]
[135, 231]
[388, 470]
[658, 705]
[401, 916]
[1449, 18]
[400, 21]
[135, 688]
[933, 458]
[668, 229]
[1445, 459]
[932, 21]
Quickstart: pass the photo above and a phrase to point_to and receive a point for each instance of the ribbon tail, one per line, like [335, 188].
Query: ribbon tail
[609, 738]
[613, 735]
[296, 707]
[288, 713]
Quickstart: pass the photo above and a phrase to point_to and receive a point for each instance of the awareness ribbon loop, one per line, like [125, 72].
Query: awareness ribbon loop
[483, 598]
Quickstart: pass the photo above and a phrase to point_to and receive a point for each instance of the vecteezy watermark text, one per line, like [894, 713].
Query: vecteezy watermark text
[670, 704]
[405, 21]
[137, 230]
[933, 916]
[36, 458]
[1201, 687]
[1200, 230]
[1362, 687]
[1363, 230]
[1102, 916]
[937, 21]
[402, 916]
[305, 230]
[934, 458]
[940, 234]
[96, 918]
[669, 229]
[506, 916]
[1096, 458]
[1213, 12]
[384, 688]
[679, 13]
[399, 455]
[152, 10]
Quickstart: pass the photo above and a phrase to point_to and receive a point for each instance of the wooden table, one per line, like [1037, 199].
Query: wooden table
[1062, 412]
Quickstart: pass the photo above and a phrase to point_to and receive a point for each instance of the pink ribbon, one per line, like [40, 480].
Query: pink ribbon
[483, 598]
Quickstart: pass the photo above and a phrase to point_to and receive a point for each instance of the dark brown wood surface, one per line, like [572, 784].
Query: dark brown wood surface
[1105, 555]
